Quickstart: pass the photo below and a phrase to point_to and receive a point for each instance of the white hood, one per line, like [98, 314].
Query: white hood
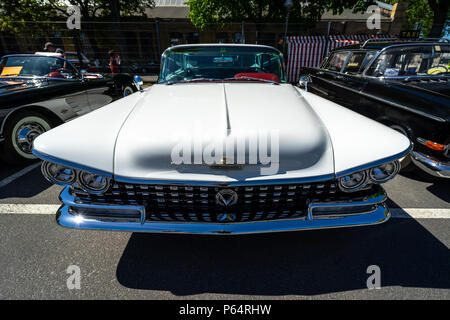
[134, 137]
[221, 113]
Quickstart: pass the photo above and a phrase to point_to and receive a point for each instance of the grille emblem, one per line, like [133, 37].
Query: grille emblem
[226, 217]
[226, 198]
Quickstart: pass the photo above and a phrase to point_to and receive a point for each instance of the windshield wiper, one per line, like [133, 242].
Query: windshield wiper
[193, 80]
[216, 79]
[252, 79]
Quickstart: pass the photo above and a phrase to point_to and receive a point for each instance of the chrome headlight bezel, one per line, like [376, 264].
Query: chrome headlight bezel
[76, 181]
[396, 170]
[369, 177]
[45, 169]
[82, 183]
[359, 186]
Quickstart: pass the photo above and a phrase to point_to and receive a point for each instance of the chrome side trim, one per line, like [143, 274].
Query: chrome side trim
[374, 163]
[376, 213]
[70, 164]
[430, 165]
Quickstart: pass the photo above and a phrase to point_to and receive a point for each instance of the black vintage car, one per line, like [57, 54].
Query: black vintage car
[39, 92]
[402, 84]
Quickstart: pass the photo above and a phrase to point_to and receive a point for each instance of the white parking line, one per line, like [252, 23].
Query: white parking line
[28, 208]
[409, 213]
[18, 174]
[420, 213]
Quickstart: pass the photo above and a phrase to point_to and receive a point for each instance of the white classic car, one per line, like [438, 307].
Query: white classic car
[221, 145]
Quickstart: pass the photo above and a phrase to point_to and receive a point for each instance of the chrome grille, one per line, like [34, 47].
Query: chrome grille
[198, 203]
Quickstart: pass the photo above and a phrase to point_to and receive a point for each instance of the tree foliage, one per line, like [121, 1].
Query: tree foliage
[102, 8]
[419, 11]
[427, 13]
[204, 13]
[15, 13]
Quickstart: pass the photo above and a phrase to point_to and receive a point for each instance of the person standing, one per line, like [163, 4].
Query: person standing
[114, 62]
[50, 47]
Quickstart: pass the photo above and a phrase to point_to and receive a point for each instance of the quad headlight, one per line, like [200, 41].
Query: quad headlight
[353, 182]
[360, 179]
[64, 176]
[384, 172]
[93, 183]
[58, 174]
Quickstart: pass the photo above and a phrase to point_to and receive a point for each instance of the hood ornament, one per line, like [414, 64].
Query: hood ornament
[226, 163]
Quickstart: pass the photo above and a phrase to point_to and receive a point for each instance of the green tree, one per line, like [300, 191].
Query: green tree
[441, 13]
[15, 14]
[431, 14]
[204, 13]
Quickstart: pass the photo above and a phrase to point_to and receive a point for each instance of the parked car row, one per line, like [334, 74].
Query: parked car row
[404, 85]
[39, 92]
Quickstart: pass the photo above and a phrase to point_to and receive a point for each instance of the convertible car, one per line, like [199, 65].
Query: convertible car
[40, 91]
[221, 145]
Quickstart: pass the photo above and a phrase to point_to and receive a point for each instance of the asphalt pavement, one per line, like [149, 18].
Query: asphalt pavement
[411, 251]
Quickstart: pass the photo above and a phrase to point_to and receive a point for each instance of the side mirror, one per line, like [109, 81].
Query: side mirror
[83, 74]
[138, 83]
[303, 82]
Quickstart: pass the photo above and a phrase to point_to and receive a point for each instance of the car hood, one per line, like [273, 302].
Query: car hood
[171, 133]
[142, 137]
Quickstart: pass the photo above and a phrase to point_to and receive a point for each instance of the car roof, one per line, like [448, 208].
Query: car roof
[380, 45]
[222, 45]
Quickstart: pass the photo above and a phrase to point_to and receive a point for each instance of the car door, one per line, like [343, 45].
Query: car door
[324, 79]
[67, 91]
[100, 90]
[349, 82]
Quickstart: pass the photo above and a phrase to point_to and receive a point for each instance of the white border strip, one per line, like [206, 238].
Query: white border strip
[18, 174]
[28, 208]
[420, 213]
[397, 213]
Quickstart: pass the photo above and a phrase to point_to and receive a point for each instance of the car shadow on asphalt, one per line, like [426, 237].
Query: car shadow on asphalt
[294, 263]
[27, 186]
[440, 187]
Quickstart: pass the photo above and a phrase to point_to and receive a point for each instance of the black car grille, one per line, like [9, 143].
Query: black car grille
[197, 203]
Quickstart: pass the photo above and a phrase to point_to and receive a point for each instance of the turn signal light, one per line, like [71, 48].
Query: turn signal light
[434, 146]
[430, 144]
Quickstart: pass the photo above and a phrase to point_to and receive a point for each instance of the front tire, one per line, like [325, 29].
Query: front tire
[20, 132]
[127, 90]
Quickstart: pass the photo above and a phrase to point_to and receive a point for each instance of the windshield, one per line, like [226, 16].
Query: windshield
[412, 61]
[36, 66]
[221, 63]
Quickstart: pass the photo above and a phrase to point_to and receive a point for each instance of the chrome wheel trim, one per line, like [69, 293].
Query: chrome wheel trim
[127, 91]
[24, 133]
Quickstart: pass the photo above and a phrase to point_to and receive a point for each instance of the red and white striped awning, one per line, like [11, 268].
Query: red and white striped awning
[308, 51]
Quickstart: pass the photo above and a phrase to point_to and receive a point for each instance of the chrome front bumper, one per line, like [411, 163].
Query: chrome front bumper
[362, 211]
[430, 165]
